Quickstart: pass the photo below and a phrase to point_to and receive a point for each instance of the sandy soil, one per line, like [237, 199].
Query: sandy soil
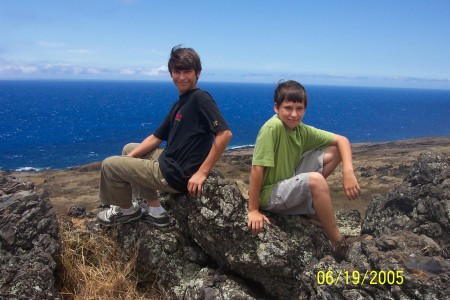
[378, 166]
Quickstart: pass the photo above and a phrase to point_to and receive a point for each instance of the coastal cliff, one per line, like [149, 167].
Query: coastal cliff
[209, 253]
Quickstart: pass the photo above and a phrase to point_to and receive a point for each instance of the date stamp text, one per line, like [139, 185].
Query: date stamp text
[374, 277]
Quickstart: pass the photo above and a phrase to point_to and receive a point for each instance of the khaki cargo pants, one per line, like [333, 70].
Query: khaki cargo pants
[125, 178]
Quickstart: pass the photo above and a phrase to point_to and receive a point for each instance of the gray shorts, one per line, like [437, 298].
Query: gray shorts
[293, 196]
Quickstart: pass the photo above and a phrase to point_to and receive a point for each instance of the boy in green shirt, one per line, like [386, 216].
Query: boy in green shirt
[291, 162]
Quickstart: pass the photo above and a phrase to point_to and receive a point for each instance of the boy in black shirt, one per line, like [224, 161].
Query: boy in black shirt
[196, 135]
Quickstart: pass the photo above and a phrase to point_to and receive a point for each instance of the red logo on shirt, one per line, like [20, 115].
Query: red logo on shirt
[178, 117]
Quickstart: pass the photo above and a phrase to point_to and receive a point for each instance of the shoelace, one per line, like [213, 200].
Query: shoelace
[112, 211]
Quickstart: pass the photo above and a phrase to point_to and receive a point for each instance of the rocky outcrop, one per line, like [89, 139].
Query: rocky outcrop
[421, 204]
[29, 242]
[273, 260]
[209, 252]
[182, 268]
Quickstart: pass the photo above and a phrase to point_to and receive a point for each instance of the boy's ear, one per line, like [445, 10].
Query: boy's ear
[275, 107]
[198, 74]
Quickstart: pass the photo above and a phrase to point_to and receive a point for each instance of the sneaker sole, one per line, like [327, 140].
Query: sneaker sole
[117, 223]
[149, 221]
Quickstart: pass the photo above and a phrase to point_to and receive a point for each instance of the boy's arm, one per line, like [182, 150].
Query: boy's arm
[147, 145]
[255, 218]
[220, 143]
[350, 184]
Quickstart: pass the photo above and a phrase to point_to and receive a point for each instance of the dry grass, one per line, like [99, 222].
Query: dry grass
[94, 267]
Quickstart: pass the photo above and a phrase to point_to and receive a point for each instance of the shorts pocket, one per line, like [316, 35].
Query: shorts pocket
[277, 202]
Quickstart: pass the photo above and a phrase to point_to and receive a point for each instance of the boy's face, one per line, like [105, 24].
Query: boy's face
[290, 113]
[185, 80]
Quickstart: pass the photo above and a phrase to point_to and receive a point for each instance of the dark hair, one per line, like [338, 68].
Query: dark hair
[290, 91]
[184, 59]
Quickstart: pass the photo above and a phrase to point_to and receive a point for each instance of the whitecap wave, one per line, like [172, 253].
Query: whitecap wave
[23, 169]
[241, 147]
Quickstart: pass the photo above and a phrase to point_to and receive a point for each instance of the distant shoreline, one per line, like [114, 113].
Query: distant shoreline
[433, 140]
[443, 141]
[168, 81]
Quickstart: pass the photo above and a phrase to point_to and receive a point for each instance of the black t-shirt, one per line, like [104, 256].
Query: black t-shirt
[189, 129]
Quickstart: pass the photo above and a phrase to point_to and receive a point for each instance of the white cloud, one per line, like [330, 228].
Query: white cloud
[154, 71]
[15, 69]
[93, 71]
[7, 67]
[48, 70]
[127, 71]
[27, 69]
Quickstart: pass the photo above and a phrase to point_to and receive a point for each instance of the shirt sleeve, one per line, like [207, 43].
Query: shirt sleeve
[264, 151]
[317, 138]
[212, 114]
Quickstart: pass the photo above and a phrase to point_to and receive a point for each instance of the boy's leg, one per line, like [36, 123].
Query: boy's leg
[121, 174]
[331, 160]
[293, 195]
[113, 189]
[322, 205]
[144, 191]
[155, 213]
[319, 165]
[307, 192]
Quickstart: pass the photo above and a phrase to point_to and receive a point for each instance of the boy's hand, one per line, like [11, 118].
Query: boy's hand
[351, 187]
[256, 221]
[195, 184]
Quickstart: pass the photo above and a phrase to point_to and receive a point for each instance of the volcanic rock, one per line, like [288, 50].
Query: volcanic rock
[29, 242]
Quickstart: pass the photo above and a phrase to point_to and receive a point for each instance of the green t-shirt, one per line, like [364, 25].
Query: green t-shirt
[279, 150]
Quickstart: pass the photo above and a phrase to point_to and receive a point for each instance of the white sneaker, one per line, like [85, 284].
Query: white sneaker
[115, 215]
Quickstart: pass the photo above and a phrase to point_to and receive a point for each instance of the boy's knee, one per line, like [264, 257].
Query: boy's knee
[128, 148]
[316, 181]
[109, 163]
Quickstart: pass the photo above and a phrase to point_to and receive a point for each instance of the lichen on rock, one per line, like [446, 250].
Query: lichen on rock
[29, 242]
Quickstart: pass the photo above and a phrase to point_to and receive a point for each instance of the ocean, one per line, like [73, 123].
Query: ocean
[61, 124]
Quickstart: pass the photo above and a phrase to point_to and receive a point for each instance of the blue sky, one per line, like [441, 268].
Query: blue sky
[402, 43]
